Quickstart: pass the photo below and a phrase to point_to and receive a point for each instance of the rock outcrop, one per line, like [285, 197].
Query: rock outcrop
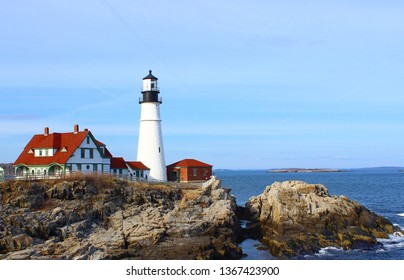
[106, 218]
[295, 218]
[102, 217]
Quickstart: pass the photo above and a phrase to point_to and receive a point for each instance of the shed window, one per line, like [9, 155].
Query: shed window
[195, 171]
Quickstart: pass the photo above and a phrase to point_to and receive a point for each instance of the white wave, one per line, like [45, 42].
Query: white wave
[400, 227]
[395, 240]
[400, 214]
[328, 251]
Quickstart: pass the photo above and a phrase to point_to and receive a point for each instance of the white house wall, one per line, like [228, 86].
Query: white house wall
[103, 164]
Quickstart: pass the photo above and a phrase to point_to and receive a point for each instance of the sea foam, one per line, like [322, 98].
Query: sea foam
[395, 240]
[328, 251]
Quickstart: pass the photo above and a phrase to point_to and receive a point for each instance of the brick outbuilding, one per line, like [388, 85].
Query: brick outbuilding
[189, 170]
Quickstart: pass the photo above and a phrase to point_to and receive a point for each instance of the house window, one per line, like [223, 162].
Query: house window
[95, 167]
[195, 171]
[88, 167]
[79, 167]
[40, 152]
[205, 172]
[88, 139]
[46, 152]
[83, 153]
[91, 153]
[120, 171]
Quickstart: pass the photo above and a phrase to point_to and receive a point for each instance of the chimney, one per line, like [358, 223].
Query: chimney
[76, 128]
[46, 131]
[86, 129]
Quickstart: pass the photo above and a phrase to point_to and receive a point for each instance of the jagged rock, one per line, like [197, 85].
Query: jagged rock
[106, 218]
[296, 218]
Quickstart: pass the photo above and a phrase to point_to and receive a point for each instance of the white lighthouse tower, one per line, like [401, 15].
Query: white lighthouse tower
[150, 150]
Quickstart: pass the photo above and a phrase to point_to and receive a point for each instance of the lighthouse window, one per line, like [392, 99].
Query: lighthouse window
[159, 150]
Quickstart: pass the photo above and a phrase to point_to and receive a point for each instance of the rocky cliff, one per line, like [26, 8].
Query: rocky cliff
[101, 217]
[295, 218]
[106, 218]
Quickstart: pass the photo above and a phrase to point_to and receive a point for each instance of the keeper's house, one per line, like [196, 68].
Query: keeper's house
[60, 153]
[189, 170]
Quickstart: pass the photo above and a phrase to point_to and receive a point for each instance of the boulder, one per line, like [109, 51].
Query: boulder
[296, 218]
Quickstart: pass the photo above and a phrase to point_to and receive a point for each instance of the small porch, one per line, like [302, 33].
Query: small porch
[39, 172]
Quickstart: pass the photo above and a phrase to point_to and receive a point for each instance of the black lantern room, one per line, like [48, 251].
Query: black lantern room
[150, 89]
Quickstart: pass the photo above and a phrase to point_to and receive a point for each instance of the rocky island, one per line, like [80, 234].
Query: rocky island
[295, 218]
[302, 170]
[102, 217]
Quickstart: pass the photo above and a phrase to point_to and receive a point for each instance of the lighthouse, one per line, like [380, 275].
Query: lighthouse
[150, 150]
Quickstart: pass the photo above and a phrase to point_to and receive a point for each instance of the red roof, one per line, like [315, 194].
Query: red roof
[70, 141]
[118, 163]
[189, 162]
[137, 165]
[64, 143]
[99, 143]
[107, 153]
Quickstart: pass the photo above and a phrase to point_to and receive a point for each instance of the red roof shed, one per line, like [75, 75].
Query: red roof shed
[189, 170]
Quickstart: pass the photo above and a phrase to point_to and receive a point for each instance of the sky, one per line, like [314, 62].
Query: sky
[245, 84]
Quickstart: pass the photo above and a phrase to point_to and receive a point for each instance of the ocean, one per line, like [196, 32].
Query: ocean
[379, 189]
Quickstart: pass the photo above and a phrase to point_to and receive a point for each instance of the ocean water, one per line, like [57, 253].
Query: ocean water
[379, 189]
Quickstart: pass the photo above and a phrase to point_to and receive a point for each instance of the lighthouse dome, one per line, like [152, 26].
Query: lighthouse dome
[150, 76]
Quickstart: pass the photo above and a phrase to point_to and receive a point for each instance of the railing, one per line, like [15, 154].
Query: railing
[61, 175]
[128, 177]
[159, 100]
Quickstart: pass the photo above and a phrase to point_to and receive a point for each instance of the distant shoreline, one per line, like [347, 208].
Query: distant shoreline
[302, 170]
